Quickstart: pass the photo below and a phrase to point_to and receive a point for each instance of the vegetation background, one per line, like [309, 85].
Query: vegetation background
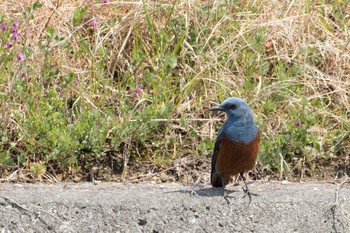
[117, 90]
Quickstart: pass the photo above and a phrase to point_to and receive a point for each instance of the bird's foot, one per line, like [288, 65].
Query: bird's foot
[226, 195]
[246, 191]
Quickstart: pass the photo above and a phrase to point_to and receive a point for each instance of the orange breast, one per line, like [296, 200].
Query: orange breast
[236, 157]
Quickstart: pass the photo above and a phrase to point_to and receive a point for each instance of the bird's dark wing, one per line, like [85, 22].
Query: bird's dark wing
[215, 178]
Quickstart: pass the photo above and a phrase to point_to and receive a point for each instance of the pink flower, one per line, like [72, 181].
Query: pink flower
[3, 27]
[297, 123]
[138, 91]
[93, 23]
[20, 56]
[105, 1]
[15, 36]
[15, 24]
[12, 30]
[8, 45]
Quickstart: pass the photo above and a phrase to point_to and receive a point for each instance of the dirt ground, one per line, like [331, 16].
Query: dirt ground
[173, 207]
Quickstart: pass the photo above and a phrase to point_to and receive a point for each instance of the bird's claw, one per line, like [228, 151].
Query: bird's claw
[246, 191]
[227, 197]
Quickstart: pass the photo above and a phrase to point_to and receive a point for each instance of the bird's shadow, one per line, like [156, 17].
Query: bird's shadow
[205, 192]
[215, 192]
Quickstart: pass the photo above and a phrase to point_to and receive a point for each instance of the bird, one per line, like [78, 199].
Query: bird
[237, 144]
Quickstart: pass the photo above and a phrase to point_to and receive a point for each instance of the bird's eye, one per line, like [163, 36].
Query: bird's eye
[233, 106]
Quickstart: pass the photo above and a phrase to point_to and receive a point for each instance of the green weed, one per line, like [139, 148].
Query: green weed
[99, 86]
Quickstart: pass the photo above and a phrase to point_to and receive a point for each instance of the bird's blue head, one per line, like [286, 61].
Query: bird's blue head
[235, 108]
[240, 125]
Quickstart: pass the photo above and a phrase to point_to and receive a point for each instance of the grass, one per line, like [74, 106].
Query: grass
[130, 95]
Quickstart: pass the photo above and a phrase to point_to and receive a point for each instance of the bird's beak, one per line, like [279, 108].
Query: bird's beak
[218, 108]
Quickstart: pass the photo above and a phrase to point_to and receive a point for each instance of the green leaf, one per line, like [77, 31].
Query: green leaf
[78, 15]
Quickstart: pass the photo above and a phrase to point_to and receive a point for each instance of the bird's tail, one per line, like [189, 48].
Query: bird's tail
[218, 180]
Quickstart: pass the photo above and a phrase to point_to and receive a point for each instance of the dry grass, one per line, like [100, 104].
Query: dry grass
[289, 59]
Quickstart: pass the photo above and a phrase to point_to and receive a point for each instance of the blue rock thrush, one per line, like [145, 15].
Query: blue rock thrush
[237, 144]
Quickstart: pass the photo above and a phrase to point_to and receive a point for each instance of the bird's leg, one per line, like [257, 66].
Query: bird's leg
[225, 194]
[245, 189]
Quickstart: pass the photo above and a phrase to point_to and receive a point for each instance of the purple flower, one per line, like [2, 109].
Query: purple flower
[138, 91]
[15, 24]
[297, 123]
[93, 23]
[15, 36]
[12, 30]
[8, 45]
[105, 1]
[24, 74]
[3, 27]
[20, 56]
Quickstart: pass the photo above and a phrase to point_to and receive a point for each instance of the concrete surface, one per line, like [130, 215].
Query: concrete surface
[173, 207]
